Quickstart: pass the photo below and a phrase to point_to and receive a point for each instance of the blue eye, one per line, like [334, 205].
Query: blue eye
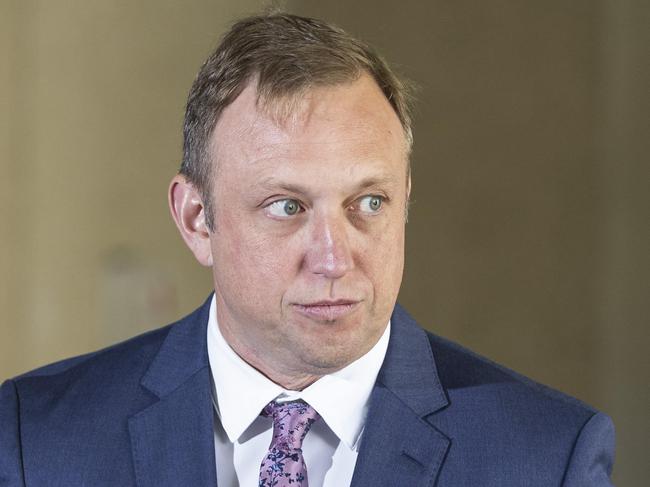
[371, 203]
[284, 208]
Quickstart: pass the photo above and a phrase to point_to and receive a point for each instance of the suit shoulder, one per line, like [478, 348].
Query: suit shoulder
[118, 356]
[461, 369]
[494, 412]
[86, 386]
[144, 345]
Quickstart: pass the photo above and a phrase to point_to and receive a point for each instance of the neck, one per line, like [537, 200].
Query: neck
[292, 383]
[286, 377]
[290, 380]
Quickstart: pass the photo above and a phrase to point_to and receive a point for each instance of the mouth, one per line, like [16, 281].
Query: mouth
[327, 310]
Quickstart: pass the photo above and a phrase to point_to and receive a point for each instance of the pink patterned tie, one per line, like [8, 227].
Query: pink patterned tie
[284, 465]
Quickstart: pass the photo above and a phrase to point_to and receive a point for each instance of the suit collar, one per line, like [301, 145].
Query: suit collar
[409, 370]
[399, 447]
[183, 353]
[172, 440]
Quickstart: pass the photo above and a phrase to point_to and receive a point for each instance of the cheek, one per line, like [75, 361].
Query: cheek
[249, 258]
[383, 258]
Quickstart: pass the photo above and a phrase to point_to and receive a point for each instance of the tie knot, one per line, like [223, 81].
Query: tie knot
[291, 423]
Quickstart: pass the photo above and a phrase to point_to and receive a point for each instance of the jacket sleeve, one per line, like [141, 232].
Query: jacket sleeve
[11, 469]
[592, 458]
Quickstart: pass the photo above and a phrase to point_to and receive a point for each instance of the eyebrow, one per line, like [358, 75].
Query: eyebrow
[272, 182]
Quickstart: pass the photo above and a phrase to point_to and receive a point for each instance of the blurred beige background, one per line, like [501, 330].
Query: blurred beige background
[528, 233]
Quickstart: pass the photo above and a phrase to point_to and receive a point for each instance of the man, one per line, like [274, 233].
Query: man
[300, 368]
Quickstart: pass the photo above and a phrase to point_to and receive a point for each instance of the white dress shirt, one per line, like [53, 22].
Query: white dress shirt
[242, 436]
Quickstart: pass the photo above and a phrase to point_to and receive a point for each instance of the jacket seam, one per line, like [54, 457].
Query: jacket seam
[573, 449]
[19, 435]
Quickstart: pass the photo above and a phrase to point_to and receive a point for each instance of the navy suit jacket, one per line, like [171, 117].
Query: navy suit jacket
[140, 413]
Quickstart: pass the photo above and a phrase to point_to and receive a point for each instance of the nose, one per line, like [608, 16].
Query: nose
[329, 252]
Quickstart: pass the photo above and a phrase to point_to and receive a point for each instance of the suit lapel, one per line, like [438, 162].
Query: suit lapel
[172, 440]
[399, 447]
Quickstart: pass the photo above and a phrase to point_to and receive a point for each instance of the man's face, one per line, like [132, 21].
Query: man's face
[308, 240]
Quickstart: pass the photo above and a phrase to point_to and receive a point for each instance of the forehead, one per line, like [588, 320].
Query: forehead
[342, 125]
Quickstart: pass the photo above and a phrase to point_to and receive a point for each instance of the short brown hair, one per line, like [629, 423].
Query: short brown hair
[287, 55]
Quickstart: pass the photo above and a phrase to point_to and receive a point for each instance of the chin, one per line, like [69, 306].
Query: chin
[333, 353]
[327, 364]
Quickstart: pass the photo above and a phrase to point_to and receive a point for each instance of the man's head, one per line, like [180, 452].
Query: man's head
[285, 55]
[293, 189]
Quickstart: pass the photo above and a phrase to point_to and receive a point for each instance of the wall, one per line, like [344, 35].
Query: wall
[92, 112]
[528, 233]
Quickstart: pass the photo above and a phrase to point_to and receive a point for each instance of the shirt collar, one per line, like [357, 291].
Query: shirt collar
[341, 398]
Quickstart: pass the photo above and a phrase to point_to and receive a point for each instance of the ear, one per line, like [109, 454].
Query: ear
[408, 195]
[188, 212]
[408, 184]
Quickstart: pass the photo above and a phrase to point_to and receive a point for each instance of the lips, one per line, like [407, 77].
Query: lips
[327, 310]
